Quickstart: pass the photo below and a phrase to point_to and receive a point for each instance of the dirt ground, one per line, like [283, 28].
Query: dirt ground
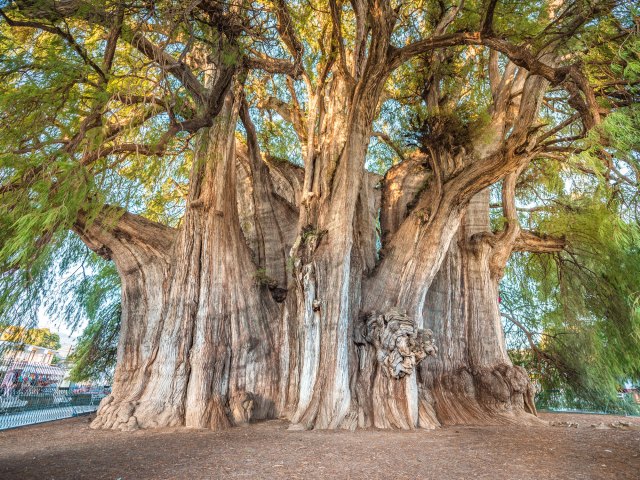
[68, 449]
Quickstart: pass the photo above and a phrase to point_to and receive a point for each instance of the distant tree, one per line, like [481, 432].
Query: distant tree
[39, 337]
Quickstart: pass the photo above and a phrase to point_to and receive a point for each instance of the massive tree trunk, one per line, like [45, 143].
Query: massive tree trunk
[333, 250]
[276, 295]
[141, 251]
[336, 243]
[199, 345]
[234, 330]
[472, 380]
[303, 317]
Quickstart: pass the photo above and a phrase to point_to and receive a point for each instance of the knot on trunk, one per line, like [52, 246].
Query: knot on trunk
[400, 345]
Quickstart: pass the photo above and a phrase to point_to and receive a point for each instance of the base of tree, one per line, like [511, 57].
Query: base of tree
[501, 395]
[129, 416]
[498, 395]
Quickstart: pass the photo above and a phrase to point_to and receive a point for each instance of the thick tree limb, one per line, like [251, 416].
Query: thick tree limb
[288, 34]
[570, 76]
[112, 40]
[260, 61]
[132, 148]
[447, 18]
[170, 64]
[529, 241]
[487, 21]
[503, 246]
[336, 32]
[114, 227]
[274, 222]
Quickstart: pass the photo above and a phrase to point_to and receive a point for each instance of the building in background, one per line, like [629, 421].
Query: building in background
[28, 369]
[19, 352]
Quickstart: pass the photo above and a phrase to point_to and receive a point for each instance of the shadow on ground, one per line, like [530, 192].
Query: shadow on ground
[68, 449]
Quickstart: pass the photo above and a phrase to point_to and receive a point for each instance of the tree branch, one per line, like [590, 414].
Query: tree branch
[448, 17]
[387, 139]
[487, 21]
[570, 76]
[61, 33]
[260, 61]
[168, 63]
[288, 34]
[60, 9]
[529, 241]
[115, 229]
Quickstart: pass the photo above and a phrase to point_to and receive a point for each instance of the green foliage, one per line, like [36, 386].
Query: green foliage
[561, 400]
[581, 304]
[39, 337]
[57, 113]
[96, 298]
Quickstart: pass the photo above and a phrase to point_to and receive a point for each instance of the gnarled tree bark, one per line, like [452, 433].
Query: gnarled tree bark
[205, 346]
[277, 296]
[473, 381]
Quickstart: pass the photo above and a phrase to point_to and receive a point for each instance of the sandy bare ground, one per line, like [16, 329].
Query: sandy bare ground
[68, 449]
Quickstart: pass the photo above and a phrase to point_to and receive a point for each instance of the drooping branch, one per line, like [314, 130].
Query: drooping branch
[124, 148]
[530, 339]
[66, 35]
[210, 100]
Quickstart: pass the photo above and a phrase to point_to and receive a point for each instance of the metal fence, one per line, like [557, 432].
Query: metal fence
[557, 400]
[30, 408]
